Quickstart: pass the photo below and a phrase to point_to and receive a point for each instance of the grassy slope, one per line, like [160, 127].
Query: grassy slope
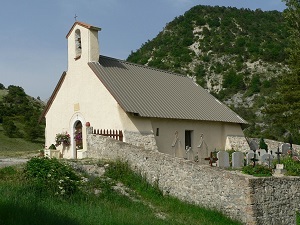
[21, 203]
[15, 147]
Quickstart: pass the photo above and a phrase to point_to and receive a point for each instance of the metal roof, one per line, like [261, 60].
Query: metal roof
[150, 92]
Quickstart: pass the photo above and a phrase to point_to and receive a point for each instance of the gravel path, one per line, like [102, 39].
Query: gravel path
[11, 161]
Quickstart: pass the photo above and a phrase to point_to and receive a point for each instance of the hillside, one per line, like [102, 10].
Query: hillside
[236, 54]
[19, 115]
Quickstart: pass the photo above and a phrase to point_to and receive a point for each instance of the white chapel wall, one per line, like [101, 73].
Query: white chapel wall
[214, 136]
[81, 93]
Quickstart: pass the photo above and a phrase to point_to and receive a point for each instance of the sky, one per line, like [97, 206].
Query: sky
[33, 42]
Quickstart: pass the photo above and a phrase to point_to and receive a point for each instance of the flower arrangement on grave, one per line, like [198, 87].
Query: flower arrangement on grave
[62, 138]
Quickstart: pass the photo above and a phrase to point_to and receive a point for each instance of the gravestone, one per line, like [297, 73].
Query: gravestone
[249, 157]
[237, 160]
[223, 159]
[285, 148]
[272, 152]
[261, 152]
[279, 171]
[253, 145]
[266, 159]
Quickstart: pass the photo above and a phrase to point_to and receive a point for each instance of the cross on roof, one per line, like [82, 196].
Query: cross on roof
[75, 17]
[211, 159]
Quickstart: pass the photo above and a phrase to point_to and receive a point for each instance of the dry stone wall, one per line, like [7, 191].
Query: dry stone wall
[243, 197]
[145, 140]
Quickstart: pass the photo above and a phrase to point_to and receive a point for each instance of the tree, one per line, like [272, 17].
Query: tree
[262, 144]
[2, 86]
[284, 107]
[33, 130]
[10, 128]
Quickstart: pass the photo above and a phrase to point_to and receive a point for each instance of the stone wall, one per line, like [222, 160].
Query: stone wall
[240, 143]
[273, 145]
[237, 143]
[141, 139]
[243, 197]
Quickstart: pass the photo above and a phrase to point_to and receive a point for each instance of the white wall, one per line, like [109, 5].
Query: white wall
[82, 95]
[214, 135]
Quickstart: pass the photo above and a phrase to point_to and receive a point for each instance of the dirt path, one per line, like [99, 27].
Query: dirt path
[11, 161]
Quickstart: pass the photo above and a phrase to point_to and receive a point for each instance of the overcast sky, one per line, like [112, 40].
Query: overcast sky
[34, 48]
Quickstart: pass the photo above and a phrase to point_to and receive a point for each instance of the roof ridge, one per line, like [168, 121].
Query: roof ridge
[144, 66]
[86, 25]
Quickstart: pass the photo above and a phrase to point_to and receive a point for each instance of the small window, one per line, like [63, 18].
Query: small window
[188, 138]
[157, 131]
[78, 47]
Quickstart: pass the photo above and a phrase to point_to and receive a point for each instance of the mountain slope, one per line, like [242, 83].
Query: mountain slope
[236, 54]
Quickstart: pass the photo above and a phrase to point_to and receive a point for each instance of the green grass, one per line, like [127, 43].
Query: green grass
[21, 203]
[14, 147]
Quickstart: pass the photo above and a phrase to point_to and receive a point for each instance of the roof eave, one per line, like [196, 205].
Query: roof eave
[88, 26]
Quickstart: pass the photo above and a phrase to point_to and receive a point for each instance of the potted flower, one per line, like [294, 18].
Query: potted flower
[62, 138]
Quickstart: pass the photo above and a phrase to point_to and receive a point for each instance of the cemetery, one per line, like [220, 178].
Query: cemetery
[219, 183]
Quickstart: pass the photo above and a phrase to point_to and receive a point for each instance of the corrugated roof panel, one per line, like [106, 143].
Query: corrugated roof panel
[156, 93]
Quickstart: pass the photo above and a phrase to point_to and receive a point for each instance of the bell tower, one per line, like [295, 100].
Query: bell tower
[83, 45]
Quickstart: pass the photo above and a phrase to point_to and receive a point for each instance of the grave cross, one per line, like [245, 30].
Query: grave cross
[211, 159]
[254, 159]
[278, 153]
[269, 160]
[291, 146]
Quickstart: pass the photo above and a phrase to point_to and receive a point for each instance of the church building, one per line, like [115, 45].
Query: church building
[155, 109]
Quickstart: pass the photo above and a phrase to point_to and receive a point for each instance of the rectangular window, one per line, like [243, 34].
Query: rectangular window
[188, 138]
[157, 131]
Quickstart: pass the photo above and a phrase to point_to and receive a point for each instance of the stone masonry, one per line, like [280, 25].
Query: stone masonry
[246, 198]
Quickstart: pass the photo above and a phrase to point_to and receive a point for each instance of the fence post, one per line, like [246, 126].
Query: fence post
[120, 135]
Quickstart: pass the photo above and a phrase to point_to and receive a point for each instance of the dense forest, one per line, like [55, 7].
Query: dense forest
[19, 114]
[238, 55]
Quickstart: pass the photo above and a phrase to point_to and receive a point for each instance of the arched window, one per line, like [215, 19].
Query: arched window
[77, 44]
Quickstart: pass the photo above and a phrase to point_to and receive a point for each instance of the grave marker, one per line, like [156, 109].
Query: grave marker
[211, 159]
[237, 160]
[266, 159]
[223, 159]
[285, 148]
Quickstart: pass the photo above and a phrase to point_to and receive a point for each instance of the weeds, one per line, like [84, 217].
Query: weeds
[258, 170]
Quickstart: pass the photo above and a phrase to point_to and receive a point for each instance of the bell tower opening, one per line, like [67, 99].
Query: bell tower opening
[78, 46]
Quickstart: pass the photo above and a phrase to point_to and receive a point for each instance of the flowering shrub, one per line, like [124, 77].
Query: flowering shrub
[63, 138]
[52, 176]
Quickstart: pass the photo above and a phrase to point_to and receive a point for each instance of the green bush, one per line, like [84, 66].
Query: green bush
[258, 170]
[291, 165]
[52, 175]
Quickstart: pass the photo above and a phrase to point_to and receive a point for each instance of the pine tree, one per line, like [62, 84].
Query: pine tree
[284, 108]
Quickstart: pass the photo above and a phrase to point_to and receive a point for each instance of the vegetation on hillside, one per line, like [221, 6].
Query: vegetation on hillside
[237, 54]
[19, 114]
[283, 109]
